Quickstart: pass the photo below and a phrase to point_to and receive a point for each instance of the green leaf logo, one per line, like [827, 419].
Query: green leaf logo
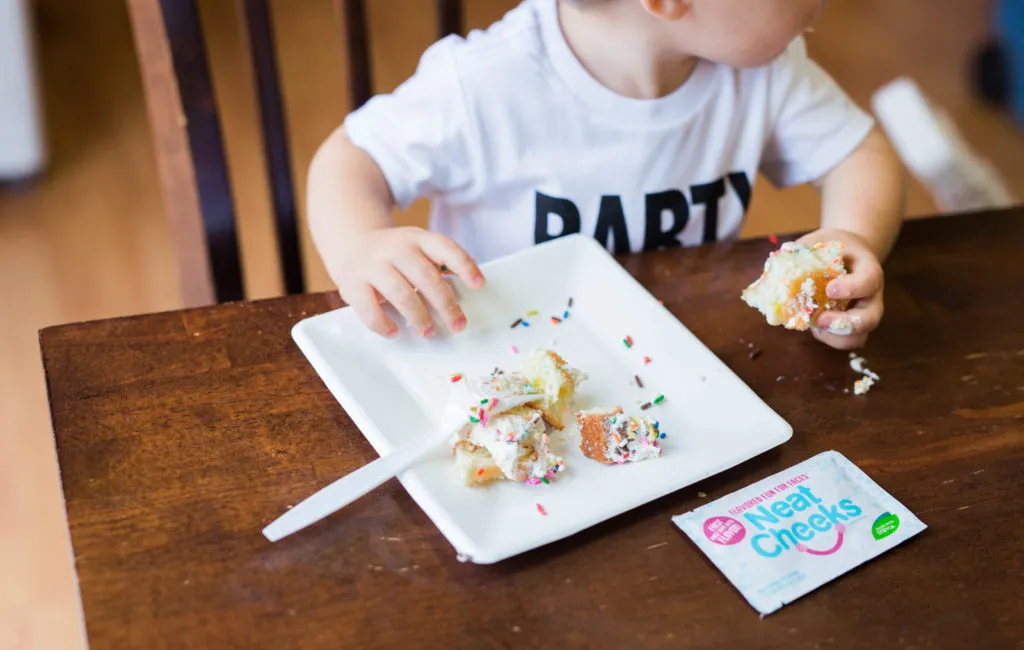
[885, 525]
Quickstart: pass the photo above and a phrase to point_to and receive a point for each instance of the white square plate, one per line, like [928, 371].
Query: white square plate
[394, 390]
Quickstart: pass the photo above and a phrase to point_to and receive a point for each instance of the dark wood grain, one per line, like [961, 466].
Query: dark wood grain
[180, 435]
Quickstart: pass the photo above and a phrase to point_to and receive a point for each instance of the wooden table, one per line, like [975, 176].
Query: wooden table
[180, 435]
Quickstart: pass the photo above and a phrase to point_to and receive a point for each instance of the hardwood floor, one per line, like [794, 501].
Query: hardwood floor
[88, 240]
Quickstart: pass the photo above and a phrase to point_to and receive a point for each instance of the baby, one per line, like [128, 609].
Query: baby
[640, 122]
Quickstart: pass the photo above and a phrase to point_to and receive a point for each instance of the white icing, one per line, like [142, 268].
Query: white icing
[506, 437]
[840, 327]
[857, 365]
[631, 439]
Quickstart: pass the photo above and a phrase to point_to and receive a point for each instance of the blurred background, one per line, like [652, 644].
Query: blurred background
[84, 233]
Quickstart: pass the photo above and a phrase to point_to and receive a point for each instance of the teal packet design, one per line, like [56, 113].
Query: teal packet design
[792, 532]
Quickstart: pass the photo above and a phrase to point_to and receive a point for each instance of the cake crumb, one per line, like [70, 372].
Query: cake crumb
[870, 378]
[863, 385]
[857, 365]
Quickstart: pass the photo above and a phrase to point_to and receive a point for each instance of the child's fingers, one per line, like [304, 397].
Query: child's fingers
[840, 342]
[392, 285]
[427, 278]
[365, 301]
[445, 252]
[863, 281]
[863, 318]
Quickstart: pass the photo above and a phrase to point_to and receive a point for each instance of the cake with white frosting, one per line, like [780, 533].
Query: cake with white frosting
[791, 290]
[609, 436]
[514, 443]
[514, 446]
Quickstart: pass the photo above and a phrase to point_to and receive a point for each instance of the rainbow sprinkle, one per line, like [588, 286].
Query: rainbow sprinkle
[645, 406]
[455, 378]
[555, 320]
[480, 472]
[647, 360]
[565, 314]
[773, 239]
[659, 399]
[532, 313]
[515, 350]
[628, 341]
[545, 481]
[662, 436]
[525, 324]
[638, 382]
[517, 323]
[570, 302]
[474, 419]
[541, 510]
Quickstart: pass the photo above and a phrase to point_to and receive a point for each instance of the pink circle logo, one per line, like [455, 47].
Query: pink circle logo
[724, 530]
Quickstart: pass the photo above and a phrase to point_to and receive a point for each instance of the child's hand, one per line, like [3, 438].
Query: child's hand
[862, 285]
[403, 266]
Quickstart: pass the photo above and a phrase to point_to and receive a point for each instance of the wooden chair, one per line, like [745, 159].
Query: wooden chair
[187, 133]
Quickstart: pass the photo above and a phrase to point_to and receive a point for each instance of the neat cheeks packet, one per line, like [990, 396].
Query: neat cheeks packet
[790, 533]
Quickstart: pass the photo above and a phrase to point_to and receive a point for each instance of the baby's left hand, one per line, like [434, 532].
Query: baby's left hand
[862, 286]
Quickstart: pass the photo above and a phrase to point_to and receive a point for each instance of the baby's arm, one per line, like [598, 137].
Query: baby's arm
[367, 257]
[864, 195]
[862, 206]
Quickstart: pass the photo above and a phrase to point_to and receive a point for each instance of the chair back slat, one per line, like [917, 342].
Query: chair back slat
[200, 204]
[449, 17]
[357, 48]
[188, 54]
[275, 141]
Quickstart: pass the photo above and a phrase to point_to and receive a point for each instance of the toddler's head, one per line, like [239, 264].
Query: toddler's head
[737, 33]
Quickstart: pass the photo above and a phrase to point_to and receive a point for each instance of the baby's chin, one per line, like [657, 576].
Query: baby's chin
[751, 58]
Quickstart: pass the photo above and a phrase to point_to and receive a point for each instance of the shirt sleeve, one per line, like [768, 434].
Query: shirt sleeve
[815, 125]
[420, 134]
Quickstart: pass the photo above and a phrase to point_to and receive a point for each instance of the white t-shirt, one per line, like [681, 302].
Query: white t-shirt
[516, 143]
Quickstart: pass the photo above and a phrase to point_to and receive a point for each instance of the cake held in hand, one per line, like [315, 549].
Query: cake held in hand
[556, 381]
[791, 290]
[609, 436]
[513, 445]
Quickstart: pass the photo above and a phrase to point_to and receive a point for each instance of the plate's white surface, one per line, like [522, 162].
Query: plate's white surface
[394, 389]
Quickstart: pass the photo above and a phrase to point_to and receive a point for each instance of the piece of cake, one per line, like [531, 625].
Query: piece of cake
[556, 381]
[791, 290]
[474, 464]
[609, 436]
[512, 445]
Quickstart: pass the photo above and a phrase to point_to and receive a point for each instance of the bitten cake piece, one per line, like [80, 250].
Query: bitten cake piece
[512, 445]
[608, 436]
[791, 290]
[556, 381]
